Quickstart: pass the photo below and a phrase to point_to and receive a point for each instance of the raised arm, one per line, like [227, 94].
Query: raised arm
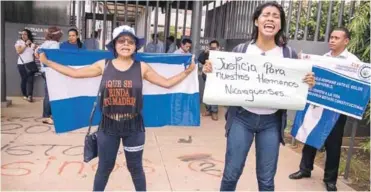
[150, 75]
[93, 70]
[20, 49]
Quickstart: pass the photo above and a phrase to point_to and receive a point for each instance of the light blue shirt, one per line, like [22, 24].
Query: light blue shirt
[48, 44]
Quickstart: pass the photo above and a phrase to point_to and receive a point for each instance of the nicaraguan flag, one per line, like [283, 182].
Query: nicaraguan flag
[313, 125]
[72, 99]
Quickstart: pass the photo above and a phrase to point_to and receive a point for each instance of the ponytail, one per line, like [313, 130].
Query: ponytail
[79, 43]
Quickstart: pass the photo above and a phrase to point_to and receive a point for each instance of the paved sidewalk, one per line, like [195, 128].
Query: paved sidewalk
[33, 157]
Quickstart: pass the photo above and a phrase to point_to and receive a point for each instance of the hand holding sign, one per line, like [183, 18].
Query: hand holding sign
[239, 79]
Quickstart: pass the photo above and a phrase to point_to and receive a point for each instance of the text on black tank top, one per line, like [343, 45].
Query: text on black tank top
[122, 99]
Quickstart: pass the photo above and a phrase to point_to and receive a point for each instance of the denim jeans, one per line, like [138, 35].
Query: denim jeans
[47, 111]
[266, 129]
[212, 108]
[27, 81]
[108, 146]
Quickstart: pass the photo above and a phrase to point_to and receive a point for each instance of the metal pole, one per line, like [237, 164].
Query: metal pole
[94, 16]
[136, 16]
[167, 20]
[126, 12]
[351, 146]
[212, 33]
[319, 7]
[206, 20]
[176, 19]
[104, 25]
[328, 21]
[146, 25]
[308, 15]
[289, 20]
[3, 74]
[82, 23]
[156, 23]
[185, 18]
[297, 20]
[196, 25]
[351, 10]
[115, 16]
[340, 20]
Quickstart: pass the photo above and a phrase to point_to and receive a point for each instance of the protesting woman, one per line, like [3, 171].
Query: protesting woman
[266, 125]
[52, 38]
[121, 121]
[26, 63]
[73, 41]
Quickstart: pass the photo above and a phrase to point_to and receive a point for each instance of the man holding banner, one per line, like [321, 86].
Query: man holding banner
[120, 97]
[318, 125]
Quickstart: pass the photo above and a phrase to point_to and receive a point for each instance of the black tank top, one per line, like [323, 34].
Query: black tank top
[121, 99]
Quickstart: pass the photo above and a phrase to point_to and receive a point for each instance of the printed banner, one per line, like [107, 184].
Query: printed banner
[341, 86]
[250, 80]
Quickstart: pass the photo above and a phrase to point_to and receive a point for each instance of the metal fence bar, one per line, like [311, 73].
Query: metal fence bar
[228, 19]
[307, 19]
[94, 4]
[212, 33]
[289, 20]
[104, 25]
[146, 24]
[155, 25]
[319, 7]
[115, 15]
[136, 16]
[351, 10]
[196, 23]
[328, 25]
[245, 19]
[185, 18]
[340, 19]
[233, 16]
[297, 20]
[126, 13]
[166, 23]
[206, 20]
[176, 19]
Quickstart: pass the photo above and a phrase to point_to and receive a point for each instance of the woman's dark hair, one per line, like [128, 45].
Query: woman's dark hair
[29, 34]
[79, 43]
[280, 38]
[54, 33]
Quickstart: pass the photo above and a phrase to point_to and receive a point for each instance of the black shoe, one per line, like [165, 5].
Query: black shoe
[299, 175]
[331, 187]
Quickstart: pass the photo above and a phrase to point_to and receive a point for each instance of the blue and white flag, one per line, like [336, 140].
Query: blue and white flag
[72, 99]
[342, 87]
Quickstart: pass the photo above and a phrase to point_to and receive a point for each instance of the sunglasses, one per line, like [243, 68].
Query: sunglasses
[129, 41]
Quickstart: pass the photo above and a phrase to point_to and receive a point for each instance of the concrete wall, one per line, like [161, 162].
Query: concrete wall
[13, 79]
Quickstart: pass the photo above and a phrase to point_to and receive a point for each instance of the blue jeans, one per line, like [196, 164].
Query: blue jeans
[47, 111]
[266, 129]
[108, 146]
[212, 108]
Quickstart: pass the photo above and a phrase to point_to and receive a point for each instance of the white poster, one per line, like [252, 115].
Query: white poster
[250, 80]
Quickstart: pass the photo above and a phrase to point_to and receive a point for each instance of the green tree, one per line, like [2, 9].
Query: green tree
[359, 27]
[312, 21]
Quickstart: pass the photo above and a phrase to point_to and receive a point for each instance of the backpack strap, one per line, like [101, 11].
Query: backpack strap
[244, 49]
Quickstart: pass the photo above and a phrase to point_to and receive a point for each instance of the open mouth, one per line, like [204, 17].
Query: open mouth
[126, 50]
[269, 27]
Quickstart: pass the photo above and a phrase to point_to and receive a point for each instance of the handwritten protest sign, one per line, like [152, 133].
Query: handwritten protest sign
[240, 79]
[341, 86]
